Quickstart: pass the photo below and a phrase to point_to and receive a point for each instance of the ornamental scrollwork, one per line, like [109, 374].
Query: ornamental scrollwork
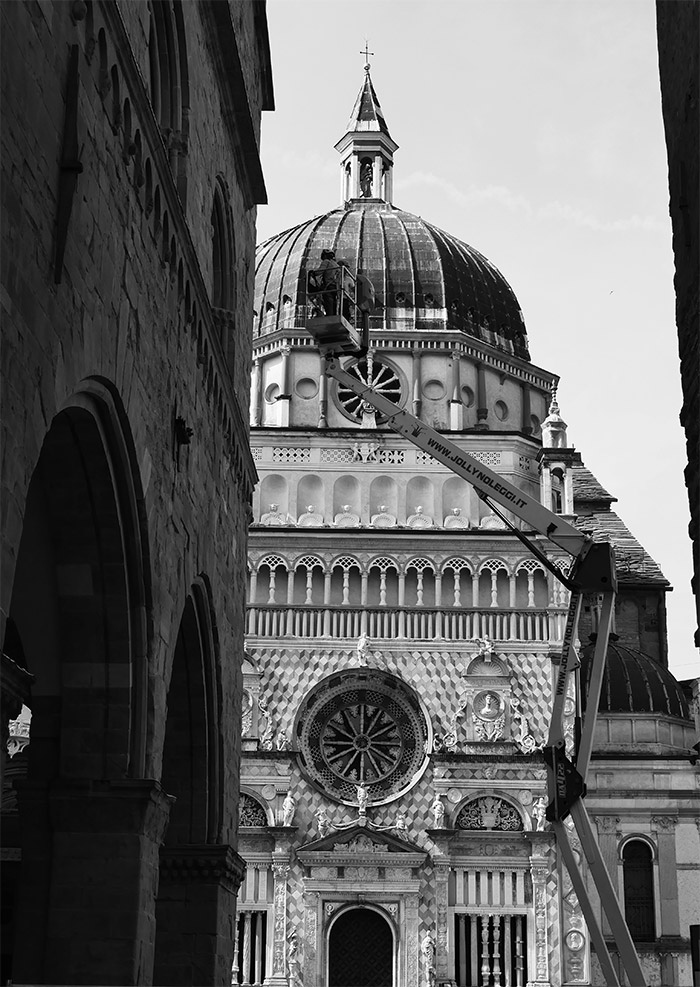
[489, 812]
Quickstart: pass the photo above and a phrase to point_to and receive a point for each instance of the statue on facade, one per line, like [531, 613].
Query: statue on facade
[539, 808]
[363, 649]
[322, 821]
[362, 798]
[366, 175]
[293, 962]
[288, 807]
[400, 825]
[427, 948]
[438, 810]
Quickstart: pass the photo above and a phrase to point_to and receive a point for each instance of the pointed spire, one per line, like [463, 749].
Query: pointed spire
[367, 148]
[554, 426]
[367, 114]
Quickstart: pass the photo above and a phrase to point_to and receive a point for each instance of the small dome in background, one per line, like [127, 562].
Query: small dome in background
[634, 683]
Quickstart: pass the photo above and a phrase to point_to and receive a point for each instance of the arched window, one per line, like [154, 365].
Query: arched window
[222, 259]
[169, 85]
[638, 872]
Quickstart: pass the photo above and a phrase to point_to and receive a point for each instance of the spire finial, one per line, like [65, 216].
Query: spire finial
[367, 53]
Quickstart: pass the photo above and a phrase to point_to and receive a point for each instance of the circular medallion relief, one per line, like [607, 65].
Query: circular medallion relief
[488, 705]
[362, 728]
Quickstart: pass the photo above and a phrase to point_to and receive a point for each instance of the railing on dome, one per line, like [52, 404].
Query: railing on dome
[337, 319]
[421, 624]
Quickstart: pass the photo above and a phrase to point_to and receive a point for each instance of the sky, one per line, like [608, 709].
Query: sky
[531, 130]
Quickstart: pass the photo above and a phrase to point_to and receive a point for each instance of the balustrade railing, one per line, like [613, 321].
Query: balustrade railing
[416, 623]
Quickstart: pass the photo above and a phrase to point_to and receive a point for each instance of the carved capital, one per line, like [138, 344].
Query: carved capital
[664, 823]
[607, 824]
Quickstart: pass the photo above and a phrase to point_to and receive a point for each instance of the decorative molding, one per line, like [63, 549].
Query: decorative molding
[207, 863]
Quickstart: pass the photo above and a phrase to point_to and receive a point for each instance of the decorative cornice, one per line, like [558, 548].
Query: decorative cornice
[202, 864]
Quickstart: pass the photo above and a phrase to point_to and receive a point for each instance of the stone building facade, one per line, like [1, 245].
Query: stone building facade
[401, 642]
[678, 31]
[130, 178]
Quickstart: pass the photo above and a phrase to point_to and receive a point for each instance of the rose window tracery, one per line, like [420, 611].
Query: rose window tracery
[380, 376]
[362, 728]
[491, 813]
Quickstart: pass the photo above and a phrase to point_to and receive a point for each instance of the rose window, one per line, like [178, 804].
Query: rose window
[362, 728]
[377, 375]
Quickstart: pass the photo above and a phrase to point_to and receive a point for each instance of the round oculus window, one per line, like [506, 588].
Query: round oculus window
[363, 728]
[380, 376]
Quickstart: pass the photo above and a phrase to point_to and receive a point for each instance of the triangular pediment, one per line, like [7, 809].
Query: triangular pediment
[361, 840]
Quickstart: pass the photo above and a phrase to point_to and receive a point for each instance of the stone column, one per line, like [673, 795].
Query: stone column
[377, 177]
[284, 398]
[279, 924]
[482, 411]
[87, 902]
[442, 873]
[607, 841]
[539, 871]
[527, 410]
[665, 829]
[417, 388]
[196, 913]
[256, 392]
[322, 400]
[411, 942]
[456, 406]
[310, 939]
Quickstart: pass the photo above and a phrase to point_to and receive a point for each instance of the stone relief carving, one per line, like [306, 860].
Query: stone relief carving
[247, 714]
[520, 727]
[427, 949]
[322, 821]
[361, 844]
[489, 812]
[268, 733]
[438, 811]
[539, 808]
[488, 716]
[365, 452]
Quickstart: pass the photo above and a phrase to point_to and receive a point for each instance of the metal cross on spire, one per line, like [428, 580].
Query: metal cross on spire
[366, 53]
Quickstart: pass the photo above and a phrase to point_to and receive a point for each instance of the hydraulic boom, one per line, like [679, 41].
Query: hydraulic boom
[333, 326]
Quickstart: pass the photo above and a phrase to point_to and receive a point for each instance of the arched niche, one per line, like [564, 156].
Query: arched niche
[346, 493]
[420, 493]
[383, 493]
[310, 494]
[274, 489]
[456, 494]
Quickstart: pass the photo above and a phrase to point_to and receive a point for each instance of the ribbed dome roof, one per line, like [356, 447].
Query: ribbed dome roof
[634, 683]
[424, 278]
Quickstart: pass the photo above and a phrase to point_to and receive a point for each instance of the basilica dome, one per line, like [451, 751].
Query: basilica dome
[634, 683]
[425, 279]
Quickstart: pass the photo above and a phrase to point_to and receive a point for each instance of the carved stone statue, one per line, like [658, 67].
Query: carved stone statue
[366, 175]
[438, 810]
[427, 948]
[288, 807]
[400, 824]
[539, 807]
[363, 649]
[293, 963]
[322, 821]
[362, 798]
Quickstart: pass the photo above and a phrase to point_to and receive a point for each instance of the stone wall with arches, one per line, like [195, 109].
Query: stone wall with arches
[127, 477]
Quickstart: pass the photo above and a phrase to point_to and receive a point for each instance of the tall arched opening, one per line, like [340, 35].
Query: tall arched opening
[89, 823]
[199, 876]
[360, 950]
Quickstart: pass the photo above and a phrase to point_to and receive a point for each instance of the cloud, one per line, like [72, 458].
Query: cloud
[556, 210]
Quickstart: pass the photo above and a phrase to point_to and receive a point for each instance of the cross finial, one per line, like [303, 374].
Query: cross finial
[366, 53]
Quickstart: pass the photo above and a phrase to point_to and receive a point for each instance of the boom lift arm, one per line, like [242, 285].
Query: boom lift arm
[592, 572]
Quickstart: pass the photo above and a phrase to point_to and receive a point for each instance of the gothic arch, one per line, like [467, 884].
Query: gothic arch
[169, 83]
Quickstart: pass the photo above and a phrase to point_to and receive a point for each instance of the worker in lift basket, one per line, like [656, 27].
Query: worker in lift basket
[329, 273]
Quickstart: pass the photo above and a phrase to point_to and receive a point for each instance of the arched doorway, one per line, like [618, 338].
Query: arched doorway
[360, 950]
